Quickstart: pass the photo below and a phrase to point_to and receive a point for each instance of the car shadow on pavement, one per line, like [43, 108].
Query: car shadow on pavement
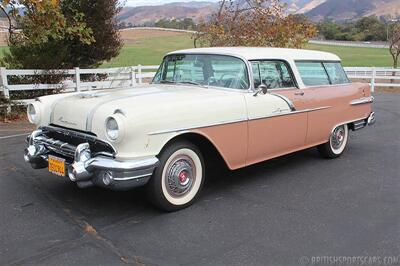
[104, 207]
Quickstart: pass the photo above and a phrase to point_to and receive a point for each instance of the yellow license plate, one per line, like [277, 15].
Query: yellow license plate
[56, 165]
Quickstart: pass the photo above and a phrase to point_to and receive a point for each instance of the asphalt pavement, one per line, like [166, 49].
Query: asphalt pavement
[288, 211]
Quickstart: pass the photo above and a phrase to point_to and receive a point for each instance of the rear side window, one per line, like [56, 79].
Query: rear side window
[273, 74]
[336, 73]
[313, 73]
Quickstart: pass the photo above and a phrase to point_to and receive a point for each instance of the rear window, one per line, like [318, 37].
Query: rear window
[336, 73]
[322, 73]
[313, 73]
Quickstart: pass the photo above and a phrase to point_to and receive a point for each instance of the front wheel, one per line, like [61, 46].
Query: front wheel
[178, 179]
[337, 143]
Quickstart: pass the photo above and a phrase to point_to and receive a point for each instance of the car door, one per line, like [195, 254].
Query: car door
[326, 97]
[274, 128]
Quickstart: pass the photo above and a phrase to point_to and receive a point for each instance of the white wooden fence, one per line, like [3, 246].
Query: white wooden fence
[132, 76]
[111, 78]
[379, 77]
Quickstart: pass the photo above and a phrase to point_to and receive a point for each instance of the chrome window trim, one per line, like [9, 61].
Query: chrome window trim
[187, 129]
[329, 78]
[287, 64]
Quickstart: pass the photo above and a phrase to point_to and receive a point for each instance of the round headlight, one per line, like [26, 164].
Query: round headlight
[33, 113]
[112, 128]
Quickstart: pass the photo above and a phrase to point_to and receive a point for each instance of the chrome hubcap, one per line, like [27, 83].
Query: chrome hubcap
[181, 174]
[338, 137]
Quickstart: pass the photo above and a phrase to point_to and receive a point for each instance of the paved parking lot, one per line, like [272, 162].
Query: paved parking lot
[282, 212]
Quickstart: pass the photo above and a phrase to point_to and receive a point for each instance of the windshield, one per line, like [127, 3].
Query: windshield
[206, 70]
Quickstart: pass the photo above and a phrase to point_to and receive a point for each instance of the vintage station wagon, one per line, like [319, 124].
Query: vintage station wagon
[247, 105]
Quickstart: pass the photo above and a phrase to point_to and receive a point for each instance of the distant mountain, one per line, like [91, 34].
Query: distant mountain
[301, 6]
[339, 10]
[144, 14]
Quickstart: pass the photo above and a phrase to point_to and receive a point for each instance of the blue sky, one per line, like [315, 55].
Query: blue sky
[159, 2]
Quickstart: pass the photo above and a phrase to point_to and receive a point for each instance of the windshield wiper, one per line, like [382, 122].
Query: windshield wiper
[191, 83]
[165, 81]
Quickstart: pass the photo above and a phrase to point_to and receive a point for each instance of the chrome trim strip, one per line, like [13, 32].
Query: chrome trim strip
[363, 100]
[237, 121]
[291, 113]
[286, 99]
[131, 178]
[197, 127]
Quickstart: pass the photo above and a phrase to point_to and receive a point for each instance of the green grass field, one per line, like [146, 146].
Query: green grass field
[150, 51]
[355, 56]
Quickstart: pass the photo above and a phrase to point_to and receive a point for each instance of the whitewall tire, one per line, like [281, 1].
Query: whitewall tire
[337, 143]
[179, 178]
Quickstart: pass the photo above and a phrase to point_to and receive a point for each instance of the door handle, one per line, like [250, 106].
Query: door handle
[299, 93]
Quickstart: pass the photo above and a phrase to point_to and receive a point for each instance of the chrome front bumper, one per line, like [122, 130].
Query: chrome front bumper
[87, 169]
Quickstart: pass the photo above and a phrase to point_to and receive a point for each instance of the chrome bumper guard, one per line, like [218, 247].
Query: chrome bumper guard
[360, 124]
[87, 169]
[371, 119]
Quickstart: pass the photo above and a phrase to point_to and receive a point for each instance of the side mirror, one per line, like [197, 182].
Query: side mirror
[261, 89]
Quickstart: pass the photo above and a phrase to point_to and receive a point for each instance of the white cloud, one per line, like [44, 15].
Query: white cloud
[159, 2]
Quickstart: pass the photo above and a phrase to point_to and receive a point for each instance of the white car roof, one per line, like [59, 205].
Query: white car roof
[258, 53]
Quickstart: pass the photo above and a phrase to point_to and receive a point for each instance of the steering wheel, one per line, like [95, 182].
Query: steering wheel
[226, 74]
[235, 79]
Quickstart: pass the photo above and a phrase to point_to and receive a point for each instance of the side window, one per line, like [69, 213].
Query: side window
[273, 74]
[313, 73]
[336, 73]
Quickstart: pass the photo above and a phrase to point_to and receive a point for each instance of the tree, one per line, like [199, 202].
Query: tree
[60, 34]
[254, 23]
[394, 44]
[100, 17]
[372, 28]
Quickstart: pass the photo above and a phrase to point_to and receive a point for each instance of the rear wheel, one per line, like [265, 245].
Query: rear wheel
[178, 179]
[337, 143]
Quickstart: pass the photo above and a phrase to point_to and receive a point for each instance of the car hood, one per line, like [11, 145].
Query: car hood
[78, 110]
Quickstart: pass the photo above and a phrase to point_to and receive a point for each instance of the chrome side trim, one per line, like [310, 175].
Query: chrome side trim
[291, 113]
[327, 85]
[286, 99]
[237, 121]
[363, 100]
[197, 127]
